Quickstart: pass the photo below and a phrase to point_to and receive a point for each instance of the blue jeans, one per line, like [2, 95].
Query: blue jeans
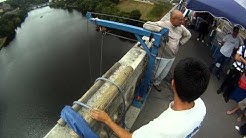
[219, 59]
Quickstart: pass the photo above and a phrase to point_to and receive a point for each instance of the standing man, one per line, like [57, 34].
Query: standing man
[237, 69]
[230, 42]
[185, 114]
[178, 35]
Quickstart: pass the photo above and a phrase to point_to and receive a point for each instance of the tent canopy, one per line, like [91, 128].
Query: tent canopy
[233, 10]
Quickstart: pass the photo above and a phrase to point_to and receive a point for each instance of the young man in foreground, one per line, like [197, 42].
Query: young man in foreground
[185, 114]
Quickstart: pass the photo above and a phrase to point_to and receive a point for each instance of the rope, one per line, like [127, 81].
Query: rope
[119, 36]
[101, 60]
[89, 56]
[122, 96]
[109, 15]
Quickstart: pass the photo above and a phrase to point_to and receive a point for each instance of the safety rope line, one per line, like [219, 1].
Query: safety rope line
[122, 96]
[115, 16]
[89, 55]
[119, 36]
[101, 60]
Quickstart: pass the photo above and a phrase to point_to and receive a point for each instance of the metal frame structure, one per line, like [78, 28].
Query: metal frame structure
[144, 87]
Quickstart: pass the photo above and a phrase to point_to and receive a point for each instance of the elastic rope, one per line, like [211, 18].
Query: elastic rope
[122, 96]
[109, 15]
[119, 36]
[101, 60]
[89, 56]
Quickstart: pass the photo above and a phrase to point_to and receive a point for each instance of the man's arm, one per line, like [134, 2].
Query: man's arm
[185, 36]
[103, 117]
[239, 58]
[224, 39]
[154, 26]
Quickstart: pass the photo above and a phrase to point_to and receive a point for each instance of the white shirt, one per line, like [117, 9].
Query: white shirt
[229, 45]
[239, 65]
[174, 124]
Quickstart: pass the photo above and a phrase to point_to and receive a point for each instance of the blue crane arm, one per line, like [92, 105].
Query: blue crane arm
[139, 32]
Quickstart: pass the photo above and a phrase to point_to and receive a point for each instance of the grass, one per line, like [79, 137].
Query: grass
[144, 8]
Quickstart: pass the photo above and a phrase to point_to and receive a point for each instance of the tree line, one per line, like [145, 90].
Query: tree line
[100, 6]
[10, 21]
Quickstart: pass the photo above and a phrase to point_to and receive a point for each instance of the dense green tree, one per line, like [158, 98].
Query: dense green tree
[135, 14]
[115, 1]
[17, 21]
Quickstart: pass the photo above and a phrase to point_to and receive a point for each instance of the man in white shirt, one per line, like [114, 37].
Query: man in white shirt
[178, 35]
[238, 67]
[230, 42]
[185, 114]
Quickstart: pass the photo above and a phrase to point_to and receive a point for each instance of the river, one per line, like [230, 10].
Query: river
[52, 61]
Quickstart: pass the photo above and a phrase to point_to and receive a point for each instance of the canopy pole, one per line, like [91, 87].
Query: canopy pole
[182, 5]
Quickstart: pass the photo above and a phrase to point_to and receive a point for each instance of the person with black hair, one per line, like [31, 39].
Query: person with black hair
[237, 69]
[230, 42]
[185, 114]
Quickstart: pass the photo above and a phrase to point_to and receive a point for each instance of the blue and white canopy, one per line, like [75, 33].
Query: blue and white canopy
[233, 10]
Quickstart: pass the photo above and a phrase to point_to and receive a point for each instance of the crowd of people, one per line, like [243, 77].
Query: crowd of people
[233, 86]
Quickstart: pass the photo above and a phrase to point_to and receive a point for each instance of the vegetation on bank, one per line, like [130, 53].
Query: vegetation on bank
[9, 22]
[122, 8]
[11, 19]
[2, 41]
[153, 12]
[25, 3]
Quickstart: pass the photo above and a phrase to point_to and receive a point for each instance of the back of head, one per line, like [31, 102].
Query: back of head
[235, 31]
[235, 28]
[191, 78]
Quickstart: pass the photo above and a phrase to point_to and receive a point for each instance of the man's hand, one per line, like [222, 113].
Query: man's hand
[241, 58]
[100, 115]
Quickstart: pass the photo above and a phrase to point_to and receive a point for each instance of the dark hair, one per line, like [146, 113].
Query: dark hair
[191, 78]
[235, 28]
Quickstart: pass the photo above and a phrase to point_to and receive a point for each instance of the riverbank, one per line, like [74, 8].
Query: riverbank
[153, 10]
[149, 10]
[2, 41]
[13, 16]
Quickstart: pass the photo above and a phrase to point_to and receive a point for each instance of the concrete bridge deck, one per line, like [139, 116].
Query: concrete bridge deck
[216, 124]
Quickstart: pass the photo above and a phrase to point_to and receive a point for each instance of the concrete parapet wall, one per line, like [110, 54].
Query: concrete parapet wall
[105, 96]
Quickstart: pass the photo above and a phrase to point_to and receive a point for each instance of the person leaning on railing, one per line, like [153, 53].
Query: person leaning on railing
[178, 35]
